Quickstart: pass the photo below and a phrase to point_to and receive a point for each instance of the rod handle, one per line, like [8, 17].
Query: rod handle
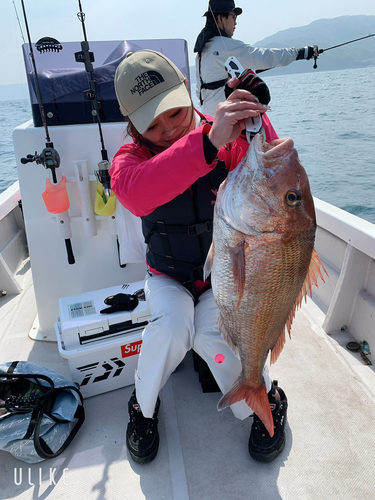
[69, 251]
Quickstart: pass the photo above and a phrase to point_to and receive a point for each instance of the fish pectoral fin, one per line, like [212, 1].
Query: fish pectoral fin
[209, 262]
[238, 256]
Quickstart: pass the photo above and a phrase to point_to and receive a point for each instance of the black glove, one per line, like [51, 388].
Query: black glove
[306, 52]
[120, 302]
[252, 83]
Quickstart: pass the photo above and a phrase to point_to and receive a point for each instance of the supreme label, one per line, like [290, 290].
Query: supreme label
[131, 349]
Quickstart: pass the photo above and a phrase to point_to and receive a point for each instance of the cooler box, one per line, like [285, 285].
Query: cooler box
[102, 349]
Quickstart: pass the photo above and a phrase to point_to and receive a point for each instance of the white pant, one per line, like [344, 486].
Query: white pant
[176, 326]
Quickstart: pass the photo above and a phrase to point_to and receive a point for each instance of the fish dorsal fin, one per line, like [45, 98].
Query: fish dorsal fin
[315, 270]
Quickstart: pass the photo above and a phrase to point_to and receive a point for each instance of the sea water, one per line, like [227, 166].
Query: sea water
[330, 116]
[12, 114]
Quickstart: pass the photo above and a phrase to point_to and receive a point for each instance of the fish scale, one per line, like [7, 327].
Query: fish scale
[263, 243]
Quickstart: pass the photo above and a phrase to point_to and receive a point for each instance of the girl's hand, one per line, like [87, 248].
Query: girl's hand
[231, 115]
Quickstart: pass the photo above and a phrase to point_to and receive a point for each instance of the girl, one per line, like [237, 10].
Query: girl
[169, 176]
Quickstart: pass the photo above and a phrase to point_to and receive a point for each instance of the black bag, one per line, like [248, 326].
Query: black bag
[40, 411]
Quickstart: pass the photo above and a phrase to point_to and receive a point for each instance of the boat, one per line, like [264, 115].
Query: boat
[326, 368]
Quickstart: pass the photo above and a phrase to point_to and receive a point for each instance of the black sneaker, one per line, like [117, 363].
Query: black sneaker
[262, 446]
[142, 436]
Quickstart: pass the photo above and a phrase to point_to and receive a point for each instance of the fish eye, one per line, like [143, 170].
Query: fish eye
[292, 197]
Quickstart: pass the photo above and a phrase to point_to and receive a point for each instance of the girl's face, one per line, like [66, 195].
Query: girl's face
[170, 126]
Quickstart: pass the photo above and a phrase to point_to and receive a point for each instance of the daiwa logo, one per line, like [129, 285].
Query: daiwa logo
[146, 81]
[88, 371]
[131, 349]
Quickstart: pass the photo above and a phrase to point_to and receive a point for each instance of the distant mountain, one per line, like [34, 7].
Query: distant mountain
[325, 33]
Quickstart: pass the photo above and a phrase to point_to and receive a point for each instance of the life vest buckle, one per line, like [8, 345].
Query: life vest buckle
[196, 229]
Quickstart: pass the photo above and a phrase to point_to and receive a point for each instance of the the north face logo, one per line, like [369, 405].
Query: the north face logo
[146, 81]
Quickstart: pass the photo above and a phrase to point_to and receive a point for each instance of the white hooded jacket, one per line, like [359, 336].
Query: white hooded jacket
[217, 50]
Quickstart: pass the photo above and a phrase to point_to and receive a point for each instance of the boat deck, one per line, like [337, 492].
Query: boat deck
[330, 442]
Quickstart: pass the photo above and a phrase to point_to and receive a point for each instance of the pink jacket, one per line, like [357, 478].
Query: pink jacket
[142, 182]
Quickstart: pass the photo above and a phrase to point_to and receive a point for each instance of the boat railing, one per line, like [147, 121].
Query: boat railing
[13, 247]
[346, 246]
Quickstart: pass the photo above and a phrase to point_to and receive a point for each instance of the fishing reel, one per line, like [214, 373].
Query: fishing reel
[320, 51]
[49, 158]
[103, 177]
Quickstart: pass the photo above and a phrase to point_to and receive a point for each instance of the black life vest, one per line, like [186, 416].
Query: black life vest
[178, 234]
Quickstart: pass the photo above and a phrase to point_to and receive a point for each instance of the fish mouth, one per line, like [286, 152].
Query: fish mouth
[268, 156]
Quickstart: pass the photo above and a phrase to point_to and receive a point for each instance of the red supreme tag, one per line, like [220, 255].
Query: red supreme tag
[131, 349]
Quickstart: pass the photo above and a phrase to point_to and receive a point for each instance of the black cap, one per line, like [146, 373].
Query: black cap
[222, 6]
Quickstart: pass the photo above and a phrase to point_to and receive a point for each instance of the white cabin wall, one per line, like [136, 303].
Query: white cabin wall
[97, 263]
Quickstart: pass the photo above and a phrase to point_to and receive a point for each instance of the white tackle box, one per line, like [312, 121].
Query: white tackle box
[102, 349]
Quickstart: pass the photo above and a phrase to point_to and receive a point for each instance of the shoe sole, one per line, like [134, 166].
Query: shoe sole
[144, 460]
[269, 457]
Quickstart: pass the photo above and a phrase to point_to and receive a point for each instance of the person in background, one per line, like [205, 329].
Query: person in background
[169, 176]
[215, 43]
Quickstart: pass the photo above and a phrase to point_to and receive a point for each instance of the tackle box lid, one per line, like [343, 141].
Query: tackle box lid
[81, 321]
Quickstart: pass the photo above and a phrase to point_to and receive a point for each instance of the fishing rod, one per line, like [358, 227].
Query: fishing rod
[105, 201]
[320, 51]
[87, 57]
[55, 197]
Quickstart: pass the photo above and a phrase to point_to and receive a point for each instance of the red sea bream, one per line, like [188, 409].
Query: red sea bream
[262, 261]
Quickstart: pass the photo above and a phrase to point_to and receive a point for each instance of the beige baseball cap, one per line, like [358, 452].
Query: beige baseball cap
[147, 84]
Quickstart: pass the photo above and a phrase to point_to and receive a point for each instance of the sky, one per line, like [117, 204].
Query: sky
[148, 19]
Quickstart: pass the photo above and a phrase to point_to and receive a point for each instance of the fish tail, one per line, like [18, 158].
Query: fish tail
[257, 399]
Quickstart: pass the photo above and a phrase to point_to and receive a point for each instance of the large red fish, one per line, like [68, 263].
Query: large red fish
[262, 261]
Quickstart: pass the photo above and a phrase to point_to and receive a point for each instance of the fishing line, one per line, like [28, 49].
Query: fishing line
[37, 86]
[19, 23]
[218, 29]
[221, 82]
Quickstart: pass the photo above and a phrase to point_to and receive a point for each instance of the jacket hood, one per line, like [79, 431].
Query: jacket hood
[209, 31]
